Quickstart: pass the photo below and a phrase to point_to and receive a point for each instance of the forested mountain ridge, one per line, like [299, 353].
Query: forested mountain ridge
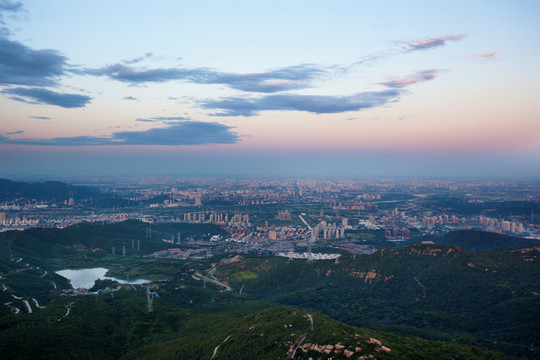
[464, 305]
[433, 291]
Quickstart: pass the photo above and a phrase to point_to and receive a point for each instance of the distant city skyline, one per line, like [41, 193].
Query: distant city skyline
[318, 88]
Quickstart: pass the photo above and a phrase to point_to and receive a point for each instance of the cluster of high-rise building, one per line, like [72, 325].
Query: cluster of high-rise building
[430, 221]
[219, 218]
[395, 234]
[284, 215]
[16, 221]
[496, 225]
[328, 231]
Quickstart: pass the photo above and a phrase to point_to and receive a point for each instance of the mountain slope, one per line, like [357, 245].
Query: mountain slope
[432, 291]
[111, 327]
[479, 241]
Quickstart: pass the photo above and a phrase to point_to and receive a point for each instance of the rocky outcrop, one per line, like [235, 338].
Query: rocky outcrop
[369, 344]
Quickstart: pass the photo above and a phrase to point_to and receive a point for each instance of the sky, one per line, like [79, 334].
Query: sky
[270, 88]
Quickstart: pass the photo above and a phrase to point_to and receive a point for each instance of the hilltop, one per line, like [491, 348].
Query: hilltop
[479, 241]
[49, 190]
[58, 193]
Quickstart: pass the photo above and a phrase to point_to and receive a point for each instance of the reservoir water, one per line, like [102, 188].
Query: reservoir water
[85, 278]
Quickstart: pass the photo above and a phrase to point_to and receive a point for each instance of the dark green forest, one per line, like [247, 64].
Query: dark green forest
[419, 302]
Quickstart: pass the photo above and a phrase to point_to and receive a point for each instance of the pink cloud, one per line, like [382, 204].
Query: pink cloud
[431, 43]
[492, 55]
[411, 79]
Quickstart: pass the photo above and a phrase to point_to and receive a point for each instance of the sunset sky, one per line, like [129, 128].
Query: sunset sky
[286, 88]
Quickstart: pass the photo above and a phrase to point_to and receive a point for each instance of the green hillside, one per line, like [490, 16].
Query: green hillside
[424, 301]
[43, 246]
[478, 241]
[432, 291]
[112, 327]
[50, 190]
[58, 192]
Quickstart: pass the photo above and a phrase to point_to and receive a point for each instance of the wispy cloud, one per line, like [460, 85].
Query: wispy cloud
[138, 59]
[40, 117]
[288, 78]
[408, 46]
[411, 79]
[431, 43]
[318, 104]
[15, 132]
[492, 55]
[184, 133]
[44, 96]
[8, 6]
[166, 119]
[129, 98]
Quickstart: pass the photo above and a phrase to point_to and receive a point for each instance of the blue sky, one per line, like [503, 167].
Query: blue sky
[313, 88]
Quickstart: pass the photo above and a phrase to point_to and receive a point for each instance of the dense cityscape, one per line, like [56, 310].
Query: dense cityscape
[271, 216]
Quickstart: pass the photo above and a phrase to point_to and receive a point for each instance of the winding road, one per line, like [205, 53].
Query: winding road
[68, 309]
[302, 337]
[217, 347]
[421, 285]
[37, 304]
[28, 307]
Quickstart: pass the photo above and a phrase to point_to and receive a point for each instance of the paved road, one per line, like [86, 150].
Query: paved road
[68, 309]
[227, 287]
[37, 304]
[28, 307]
[302, 337]
[217, 347]
[305, 222]
[13, 308]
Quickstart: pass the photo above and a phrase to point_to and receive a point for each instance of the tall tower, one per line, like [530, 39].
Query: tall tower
[313, 237]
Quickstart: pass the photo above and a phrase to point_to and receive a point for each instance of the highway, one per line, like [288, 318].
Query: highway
[305, 222]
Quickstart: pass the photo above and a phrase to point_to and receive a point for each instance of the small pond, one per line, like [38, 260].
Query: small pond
[85, 278]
